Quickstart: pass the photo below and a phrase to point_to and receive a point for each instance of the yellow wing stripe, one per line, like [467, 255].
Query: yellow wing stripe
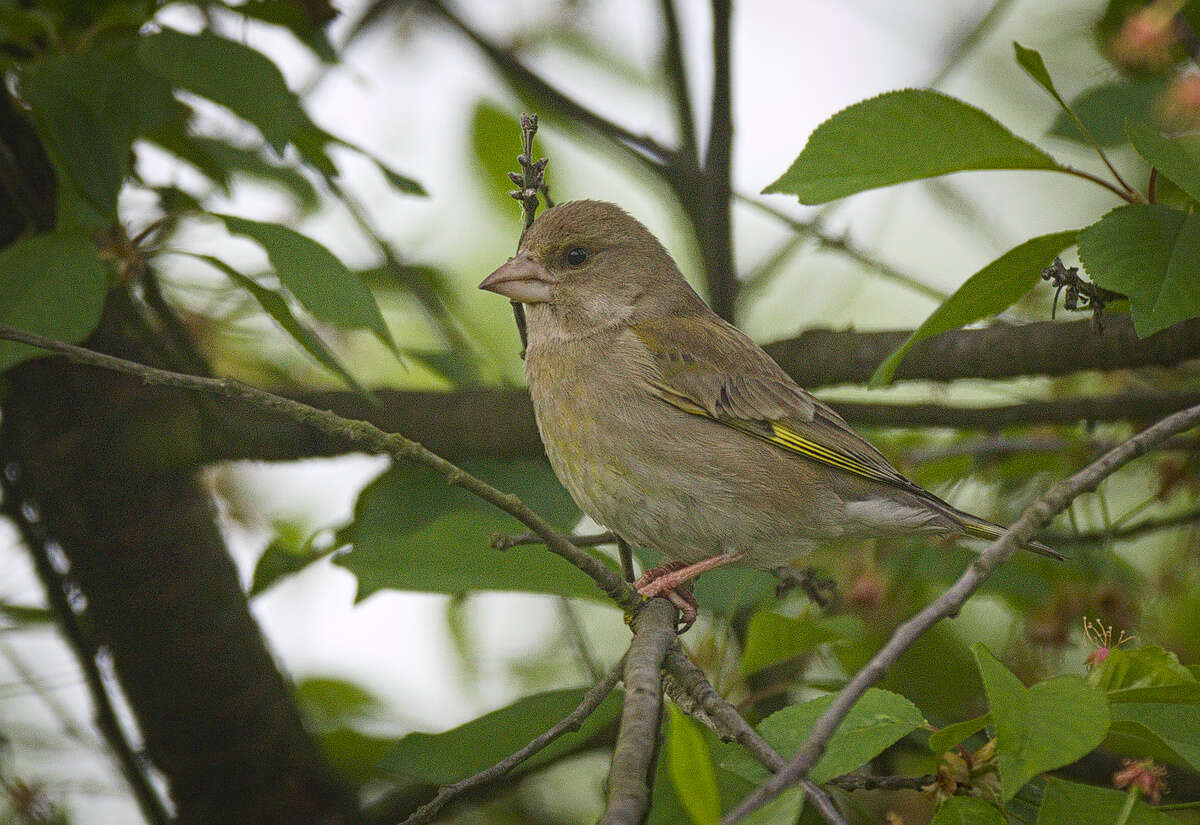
[783, 436]
[788, 438]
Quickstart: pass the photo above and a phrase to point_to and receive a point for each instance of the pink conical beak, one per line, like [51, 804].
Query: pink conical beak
[520, 279]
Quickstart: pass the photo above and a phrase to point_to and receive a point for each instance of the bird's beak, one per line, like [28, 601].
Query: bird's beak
[520, 279]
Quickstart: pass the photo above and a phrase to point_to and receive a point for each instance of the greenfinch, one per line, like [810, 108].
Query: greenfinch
[673, 429]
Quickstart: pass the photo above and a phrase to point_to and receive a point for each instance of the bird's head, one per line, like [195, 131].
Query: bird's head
[594, 265]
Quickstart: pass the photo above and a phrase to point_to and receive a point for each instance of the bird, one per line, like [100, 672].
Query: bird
[672, 428]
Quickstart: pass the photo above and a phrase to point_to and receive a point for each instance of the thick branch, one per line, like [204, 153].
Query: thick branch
[358, 435]
[637, 742]
[821, 357]
[499, 423]
[949, 603]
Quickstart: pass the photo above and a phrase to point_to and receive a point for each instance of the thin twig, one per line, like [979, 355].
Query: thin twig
[677, 74]
[1127, 195]
[574, 632]
[363, 435]
[634, 754]
[1132, 531]
[525, 79]
[448, 793]
[949, 603]
[625, 554]
[503, 542]
[731, 726]
[846, 247]
[858, 782]
[530, 181]
[85, 650]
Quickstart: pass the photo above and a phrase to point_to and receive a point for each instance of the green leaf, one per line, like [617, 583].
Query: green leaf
[1032, 63]
[1070, 803]
[902, 136]
[494, 156]
[226, 72]
[1171, 731]
[52, 284]
[1171, 157]
[1139, 667]
[967, 810]
[1151, 254]
[691, 769]
[441, 758]
[771, 638]
[951, 735]
[313, 143]
[989, 291]
[85, 147]
[1040, 728]
[274, 305]
[876, 722]
[413, 531]
[220, 161]
[1104, 109]
[279, 560]
[318, 279]
[291, 16]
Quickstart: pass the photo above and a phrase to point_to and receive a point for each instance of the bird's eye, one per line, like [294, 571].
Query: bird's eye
[577, 256]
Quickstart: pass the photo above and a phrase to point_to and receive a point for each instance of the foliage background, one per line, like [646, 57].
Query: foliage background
[413, 94]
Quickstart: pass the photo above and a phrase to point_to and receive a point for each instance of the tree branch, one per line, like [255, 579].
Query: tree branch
[949, 603]
[819, 357]
[525, 79]
[499, 423]
[448, 793]
[731, 726]
[673, 62]
[358, 434]
[637, 741]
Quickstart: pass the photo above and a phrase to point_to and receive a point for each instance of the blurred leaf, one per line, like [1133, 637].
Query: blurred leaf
[313, 143]
[274, 305]
[413, 531]
[332, 703]
[1104, 109]
[876, 722]
[1040, 728]
[1139, 667]
[989, 291]
[318, 279]
[22, 614]
[494, 156]
[949, 736]
[1071, 803]
[278, 561]
[1169, 733]
[458, 369]
[902, 136]
[1172, 157]
[51, 284]
[229, 73]
[291, 16]
[771, 638]
[354, 754]
[691, 769]
[441, 758]
[86, 147]
[1152, 254]
[968, 810]
[220, 161]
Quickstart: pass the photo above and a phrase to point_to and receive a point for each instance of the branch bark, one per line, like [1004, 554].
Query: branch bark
[629, 780]
[949, 603]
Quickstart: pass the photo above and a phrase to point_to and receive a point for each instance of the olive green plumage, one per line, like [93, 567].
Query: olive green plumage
[671, 427]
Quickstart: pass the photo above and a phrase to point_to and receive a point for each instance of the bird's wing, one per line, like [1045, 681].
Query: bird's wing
[709, 368]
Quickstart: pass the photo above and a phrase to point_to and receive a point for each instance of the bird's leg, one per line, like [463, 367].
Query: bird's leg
[669, 576]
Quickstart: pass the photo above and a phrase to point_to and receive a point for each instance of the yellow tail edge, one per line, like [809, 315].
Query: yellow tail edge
[980, 529]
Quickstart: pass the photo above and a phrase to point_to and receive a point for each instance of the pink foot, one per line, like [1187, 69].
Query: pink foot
[667, 580]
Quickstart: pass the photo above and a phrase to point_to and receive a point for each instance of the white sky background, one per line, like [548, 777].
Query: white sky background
[795, 63]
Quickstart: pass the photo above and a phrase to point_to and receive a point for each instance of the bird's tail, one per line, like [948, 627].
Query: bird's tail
[980, 529]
